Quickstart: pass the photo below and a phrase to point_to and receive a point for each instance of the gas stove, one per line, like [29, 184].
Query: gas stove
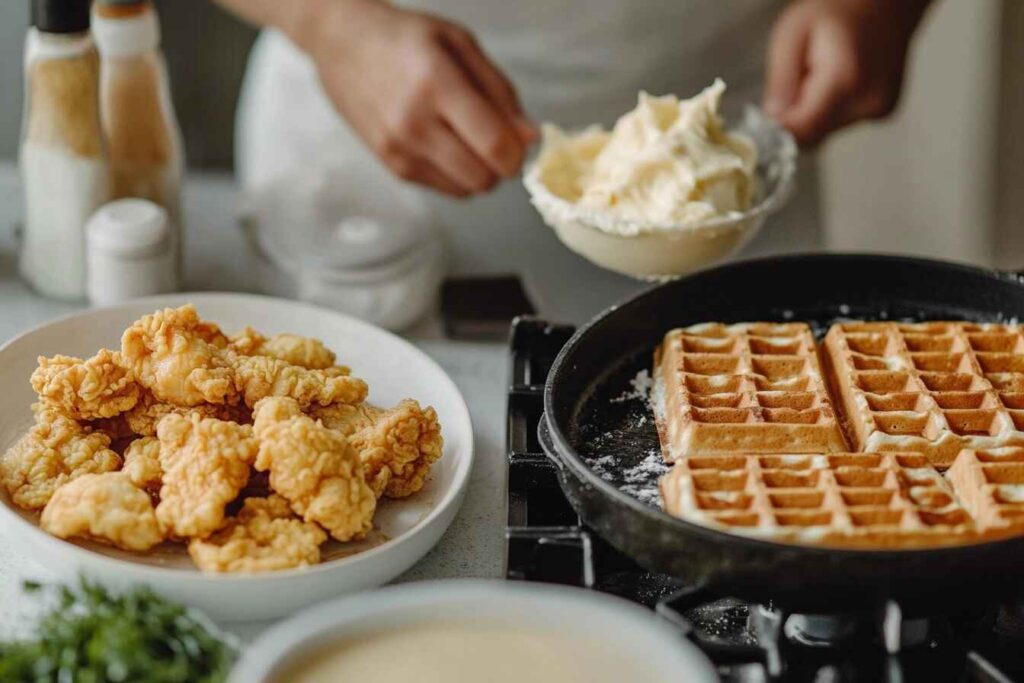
[546, 541]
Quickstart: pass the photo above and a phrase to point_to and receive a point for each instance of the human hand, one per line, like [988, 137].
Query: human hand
[834, 62]
[420, 93]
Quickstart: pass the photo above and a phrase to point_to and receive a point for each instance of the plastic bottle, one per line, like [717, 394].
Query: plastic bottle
[142, 132]
[62, 158]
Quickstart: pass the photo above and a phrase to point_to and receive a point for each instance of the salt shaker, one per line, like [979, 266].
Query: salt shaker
[129, 252]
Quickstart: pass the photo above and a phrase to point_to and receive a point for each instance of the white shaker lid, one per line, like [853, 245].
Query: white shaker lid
[129, 227]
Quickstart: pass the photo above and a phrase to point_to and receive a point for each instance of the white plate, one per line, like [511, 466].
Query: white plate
[581, 615]
[404, 530]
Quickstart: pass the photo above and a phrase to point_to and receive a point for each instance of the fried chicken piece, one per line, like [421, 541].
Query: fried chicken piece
[205, 464]
[314, 467]
[99, 387]
[305, 352]
[54, 451]
[397, 446]
[176, 356]
[105, 507]
[261, 376]
[258, 486]
[116, 428]
[142, 463]
[143, 418]
[211, 334]
[265, 536]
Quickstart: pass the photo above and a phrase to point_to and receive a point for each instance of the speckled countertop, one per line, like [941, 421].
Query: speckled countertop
[216, 259]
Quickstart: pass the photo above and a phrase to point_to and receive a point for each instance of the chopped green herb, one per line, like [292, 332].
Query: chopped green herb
[93, 636]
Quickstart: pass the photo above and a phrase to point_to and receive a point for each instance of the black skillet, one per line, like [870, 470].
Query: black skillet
[582, 421]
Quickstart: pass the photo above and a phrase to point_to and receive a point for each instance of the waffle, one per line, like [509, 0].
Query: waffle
[749, 387]
[931, 388]
[877, 500]
[990, 484]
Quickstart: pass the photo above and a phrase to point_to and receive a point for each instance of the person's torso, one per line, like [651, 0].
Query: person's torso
[573, 62]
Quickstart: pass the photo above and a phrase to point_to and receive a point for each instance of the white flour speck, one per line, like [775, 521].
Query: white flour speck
[601, 466]
[639, 481]
[640, 388]
[650, 468]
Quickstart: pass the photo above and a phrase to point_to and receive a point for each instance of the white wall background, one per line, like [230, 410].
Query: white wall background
[925, 181]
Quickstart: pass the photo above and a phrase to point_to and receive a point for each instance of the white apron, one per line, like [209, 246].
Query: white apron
[573, 62]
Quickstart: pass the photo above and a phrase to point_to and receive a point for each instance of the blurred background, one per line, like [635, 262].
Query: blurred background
[960, 127]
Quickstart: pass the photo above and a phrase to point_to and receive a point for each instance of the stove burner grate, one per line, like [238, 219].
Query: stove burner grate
[546, 541]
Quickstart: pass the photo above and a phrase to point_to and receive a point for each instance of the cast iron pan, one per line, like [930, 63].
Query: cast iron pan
[583, 422]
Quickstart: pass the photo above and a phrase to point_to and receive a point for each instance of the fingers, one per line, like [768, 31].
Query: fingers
[453, 157]
[437, 157]
[423, 172]
[480, 124]
[819, 108]
[492, 83]
[829, 76]
[428, 174]
[787, 59]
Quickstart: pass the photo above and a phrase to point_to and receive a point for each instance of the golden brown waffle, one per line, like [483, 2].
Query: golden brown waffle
[748, 387]
[880, 500]
[932, 388]
[990, 484]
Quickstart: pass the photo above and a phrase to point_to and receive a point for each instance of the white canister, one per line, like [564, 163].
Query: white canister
[129, 252]
[342, 238]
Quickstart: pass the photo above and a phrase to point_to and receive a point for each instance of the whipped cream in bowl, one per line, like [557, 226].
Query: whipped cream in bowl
[668, 189]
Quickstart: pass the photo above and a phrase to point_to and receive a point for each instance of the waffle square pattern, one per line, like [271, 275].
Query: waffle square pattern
[932, 388]
[748, 387]
[990, 484]
[878, 500]
[887, 435]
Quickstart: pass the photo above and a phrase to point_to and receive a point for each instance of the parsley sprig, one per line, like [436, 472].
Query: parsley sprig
[94, 636]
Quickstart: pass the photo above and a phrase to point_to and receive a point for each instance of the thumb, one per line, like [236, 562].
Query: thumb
[786, 62]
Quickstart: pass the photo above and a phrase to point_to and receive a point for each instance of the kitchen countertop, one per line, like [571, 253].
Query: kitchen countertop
[216, 258]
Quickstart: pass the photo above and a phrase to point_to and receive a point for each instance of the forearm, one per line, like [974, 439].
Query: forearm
[298, 19]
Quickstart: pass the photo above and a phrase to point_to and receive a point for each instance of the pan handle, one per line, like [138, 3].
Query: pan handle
[547, 444]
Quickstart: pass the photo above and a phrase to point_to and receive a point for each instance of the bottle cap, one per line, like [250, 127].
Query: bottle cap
[129, 227]
[61, 16]
[118, 36]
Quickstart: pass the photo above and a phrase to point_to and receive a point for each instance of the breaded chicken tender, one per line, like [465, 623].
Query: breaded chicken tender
[106, 507]
[314, 467]
[397, 446]
[305, 352]
[54, 451]
[99, 387]
[205, 464]
[142, 463]
[261, 376]
[143, 418]
[264, 536]
[177, 357]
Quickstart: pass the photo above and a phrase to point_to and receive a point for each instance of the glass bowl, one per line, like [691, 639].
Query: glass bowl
[660, 251]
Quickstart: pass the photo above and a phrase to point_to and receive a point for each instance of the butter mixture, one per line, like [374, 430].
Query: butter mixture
[667, 162]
